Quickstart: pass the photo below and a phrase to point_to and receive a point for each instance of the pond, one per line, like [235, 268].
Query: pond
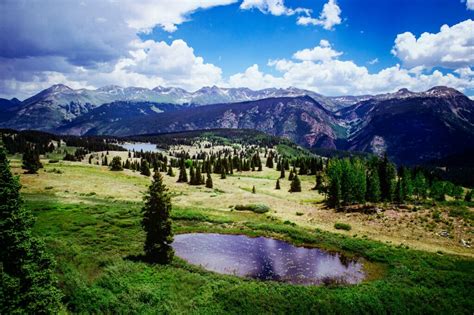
[138, 146]
[266, 259]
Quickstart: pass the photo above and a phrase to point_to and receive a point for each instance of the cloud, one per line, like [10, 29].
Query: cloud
[274, 7]
[331, 76]
[373, 61]
[319, 53]
[469, 4]
[83, 42]
[329, 17]
[452, 47]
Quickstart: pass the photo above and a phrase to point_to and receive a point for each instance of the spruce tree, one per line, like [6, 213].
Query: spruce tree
[170, 171]
[468, 197]
[290, 177]
[282, 172]
[192, 176]
[373, 186]
[28, 284]
[319, 187]
[31, 161]
[157, 222]
[254, 190]
[116, 164]
[277, 186]
[223, 176]
[387, 174]
[209, 180]
[295, 185]
[183, 176]
[145, 169]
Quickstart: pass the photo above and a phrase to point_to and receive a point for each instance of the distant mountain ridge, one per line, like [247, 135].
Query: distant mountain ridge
[411, 127]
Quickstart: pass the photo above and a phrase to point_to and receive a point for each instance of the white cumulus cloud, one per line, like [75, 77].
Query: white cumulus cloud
[452, 47]
[319, 53]
[329, 17]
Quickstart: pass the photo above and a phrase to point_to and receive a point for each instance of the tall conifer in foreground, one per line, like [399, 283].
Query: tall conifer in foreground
[27, 281]
[157, 222]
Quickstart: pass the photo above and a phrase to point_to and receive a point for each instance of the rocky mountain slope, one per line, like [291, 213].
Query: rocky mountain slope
[411, 127]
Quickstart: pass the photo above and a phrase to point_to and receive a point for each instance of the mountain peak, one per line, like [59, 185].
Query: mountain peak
[443, 91]
[58, 88]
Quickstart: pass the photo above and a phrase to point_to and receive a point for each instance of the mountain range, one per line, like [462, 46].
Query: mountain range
[412, 127]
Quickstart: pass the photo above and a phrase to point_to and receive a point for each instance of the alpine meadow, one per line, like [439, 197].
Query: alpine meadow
[237, 157]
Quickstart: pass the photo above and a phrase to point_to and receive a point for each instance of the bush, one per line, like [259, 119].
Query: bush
[342, 226]
[257, 208]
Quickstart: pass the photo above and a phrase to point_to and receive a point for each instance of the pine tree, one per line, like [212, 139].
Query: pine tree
[183, 176]
[223, 176]
[334, 183]
[399, 193]
[28, 284]
[468, 197]
[319, 187]
[192, 176]
[282, 172]
[373, 186]
[387, 174]
[145, 169]
[199, 177]
[269, 163]
[116, 164]
[290, 177]
[295, 185]
[254, 190]
[157, 222]
[209, 180]
[277, 186]
[170, 171]
[31, 162]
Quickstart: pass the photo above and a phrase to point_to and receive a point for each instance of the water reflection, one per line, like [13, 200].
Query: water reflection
[266, 259]
[139, 146]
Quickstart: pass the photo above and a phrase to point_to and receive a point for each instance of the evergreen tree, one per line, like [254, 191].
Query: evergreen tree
[373, 186]
[420, 186]
[437, 191]
[209, 180]
[468, 197]
[183, 176]
[170, 171]
[319, 183]
[27, 281]
[223, 176]
[31, 162]
[145, 169]
[387, 174]
[295, 185]
[399, 192]
[277, 186]
[334, 183]
[254, 190]
[282, 172]
[199, 178]
[269, 163]
[157, 222]
[290, 177]
[116, 164]
[192, 176]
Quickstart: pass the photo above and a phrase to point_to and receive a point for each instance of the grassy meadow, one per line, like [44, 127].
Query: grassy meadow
[90, 217]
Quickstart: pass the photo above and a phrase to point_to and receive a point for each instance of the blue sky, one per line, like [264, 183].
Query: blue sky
[333, 47]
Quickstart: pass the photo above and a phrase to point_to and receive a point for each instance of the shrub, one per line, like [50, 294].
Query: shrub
[257, 208]
[342, 226]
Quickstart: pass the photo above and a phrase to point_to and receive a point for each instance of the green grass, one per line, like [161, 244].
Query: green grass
[92, 238]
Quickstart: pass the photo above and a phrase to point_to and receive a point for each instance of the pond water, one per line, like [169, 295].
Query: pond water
[138, 146]
[266, 259]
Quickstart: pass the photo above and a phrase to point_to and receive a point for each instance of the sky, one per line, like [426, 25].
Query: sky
[333, 47]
